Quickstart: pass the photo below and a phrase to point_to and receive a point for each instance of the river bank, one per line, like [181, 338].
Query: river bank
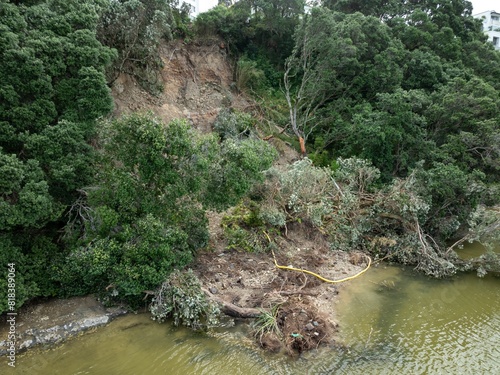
[53, 321]
[392, 321]
[306, 315]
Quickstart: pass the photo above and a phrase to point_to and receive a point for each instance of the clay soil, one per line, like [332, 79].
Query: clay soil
[305, 305]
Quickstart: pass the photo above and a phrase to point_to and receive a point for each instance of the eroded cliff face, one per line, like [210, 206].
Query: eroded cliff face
[197, 81]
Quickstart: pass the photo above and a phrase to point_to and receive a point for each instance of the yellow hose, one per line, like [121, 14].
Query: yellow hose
[315, 274]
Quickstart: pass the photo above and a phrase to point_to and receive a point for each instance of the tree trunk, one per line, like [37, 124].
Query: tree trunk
[302, 146]
[233, 310]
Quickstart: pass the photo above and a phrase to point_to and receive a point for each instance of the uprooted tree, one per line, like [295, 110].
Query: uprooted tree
[391, 222]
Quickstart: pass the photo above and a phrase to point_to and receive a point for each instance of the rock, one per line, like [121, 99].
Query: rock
[309, 327]
[61, 323]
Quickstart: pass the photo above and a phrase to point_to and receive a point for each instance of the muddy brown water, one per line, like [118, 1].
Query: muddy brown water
[393, 321]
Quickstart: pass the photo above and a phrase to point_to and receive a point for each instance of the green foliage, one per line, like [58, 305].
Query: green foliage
[248, 75]
[404, 94]
[25, 289]
[52, 70]
[26, 201]
[146, 217]
[243, 228]
[180, 297]
[233, 124]
[297, 194]
[261, 28]
[239, 168]
[338, 56]
[34, 258]
[403, 220]
[52, 89]
[452, 194]
[135, 28]
[391, 132]
[273, 216]
[484, 227]
[267, 322]
[121, 267]
[86, 269]
[181, 20]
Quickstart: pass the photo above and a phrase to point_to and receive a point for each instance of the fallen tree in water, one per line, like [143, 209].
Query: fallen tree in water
[396, 222]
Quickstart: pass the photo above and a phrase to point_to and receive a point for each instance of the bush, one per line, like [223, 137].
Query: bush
[248, 75]
[181, 298]
[243, 228]
[298, 193]
[146, 217]
[232, 124]
[25, 289]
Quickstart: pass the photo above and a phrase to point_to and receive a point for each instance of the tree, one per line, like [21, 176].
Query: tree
[135, 29]
[391, 132]
[52, 89]
[337, 58]
[145, 214]
[464, 121]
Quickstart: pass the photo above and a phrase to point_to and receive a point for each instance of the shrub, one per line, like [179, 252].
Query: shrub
[232, 124]
[248, 75]
[146, 215]
[25, 288]
[298, 193]
[242, 228]
[180, 297]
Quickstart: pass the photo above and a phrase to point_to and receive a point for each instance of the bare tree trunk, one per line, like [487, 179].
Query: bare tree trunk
[302, 146]
[233, 310]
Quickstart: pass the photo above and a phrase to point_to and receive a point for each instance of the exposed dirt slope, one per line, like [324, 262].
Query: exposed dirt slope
[197, 83]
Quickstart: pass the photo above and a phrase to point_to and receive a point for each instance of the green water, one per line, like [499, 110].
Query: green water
[393, 321]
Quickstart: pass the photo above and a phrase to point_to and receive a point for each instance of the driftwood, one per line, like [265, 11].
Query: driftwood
[231, 309]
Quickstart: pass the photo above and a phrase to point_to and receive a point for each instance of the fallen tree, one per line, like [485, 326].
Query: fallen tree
[231, 309]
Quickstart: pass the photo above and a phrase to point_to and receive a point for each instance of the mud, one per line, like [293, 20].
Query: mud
[306, 305]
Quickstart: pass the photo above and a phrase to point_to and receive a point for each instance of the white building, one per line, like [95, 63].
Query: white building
[195, 6]
[200, 6]
[491, 26]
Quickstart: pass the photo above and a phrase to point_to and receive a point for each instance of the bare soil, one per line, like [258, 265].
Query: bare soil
[306, 314]
[198, 83]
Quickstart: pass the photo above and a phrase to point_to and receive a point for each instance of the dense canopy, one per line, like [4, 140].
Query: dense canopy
[397, 100]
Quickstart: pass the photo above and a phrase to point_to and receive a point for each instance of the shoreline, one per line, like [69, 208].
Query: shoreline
[246, 280]
[52, 322]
